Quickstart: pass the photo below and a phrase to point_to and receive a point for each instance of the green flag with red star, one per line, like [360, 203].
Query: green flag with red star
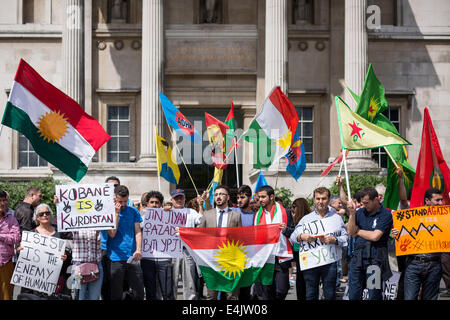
[358, 133]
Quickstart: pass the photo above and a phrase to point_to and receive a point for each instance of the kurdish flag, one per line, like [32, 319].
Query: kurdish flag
[358, 133]
[230, 258]
[56, 126]
[230, 136]
[272, 129]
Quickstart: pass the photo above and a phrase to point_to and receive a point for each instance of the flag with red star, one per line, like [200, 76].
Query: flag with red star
[358, 133]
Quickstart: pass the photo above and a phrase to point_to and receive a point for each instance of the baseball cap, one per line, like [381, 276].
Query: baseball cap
[176, 192]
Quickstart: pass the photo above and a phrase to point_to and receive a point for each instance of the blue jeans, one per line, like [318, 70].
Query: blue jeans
[328, 274]
[357, 280]
[92, 289]
[427, 274]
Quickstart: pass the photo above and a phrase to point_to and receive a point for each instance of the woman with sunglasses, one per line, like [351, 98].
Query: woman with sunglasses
[43, 216]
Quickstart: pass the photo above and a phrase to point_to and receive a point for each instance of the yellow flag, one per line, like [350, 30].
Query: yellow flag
[359, 134]
[167, 167]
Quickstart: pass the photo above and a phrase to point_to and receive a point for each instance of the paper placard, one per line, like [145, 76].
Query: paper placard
[85, 206]
[159, 239]
[39, 262]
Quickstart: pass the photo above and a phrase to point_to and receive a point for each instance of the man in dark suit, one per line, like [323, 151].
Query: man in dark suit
[220, 217]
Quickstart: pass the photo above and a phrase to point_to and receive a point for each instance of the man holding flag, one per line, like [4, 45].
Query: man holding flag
[271, 212]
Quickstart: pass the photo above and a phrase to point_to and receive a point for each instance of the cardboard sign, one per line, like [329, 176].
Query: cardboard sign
[316, 254]
[422, 230]
[159, 239]
[39, 262]
[85, 206]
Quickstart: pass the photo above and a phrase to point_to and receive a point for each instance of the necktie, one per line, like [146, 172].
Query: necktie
[219, 224]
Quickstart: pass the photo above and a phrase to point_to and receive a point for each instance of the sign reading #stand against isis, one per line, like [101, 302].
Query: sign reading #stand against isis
[422, 230]
[85, 206]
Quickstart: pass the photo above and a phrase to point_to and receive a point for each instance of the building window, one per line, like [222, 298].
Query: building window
[379, 155]
[119, 129]
[27, 156]
[305, 130]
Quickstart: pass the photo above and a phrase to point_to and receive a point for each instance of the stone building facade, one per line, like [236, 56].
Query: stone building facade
[113, 57]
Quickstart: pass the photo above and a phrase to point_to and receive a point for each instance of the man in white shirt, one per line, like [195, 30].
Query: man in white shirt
[188, 268]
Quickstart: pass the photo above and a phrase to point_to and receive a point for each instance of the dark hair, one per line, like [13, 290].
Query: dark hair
[322, 190]
[357, 196]
[301, 209]
[222, 186]
[112, 178]
[268, 189]
[3, 194]
[369, 191]
[245, 190]
[121, 190]
[193, 204]
[32, 190]
[429, 193]
[154, 194]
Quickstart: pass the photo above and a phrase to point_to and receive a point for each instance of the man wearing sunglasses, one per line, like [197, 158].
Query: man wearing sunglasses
[220, 217]
[25, 209]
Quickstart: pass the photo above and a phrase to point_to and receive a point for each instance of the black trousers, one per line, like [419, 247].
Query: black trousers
[132, 273]
[279, 288]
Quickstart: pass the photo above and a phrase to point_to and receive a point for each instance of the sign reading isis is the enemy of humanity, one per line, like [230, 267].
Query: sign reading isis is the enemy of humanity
[85, 206]
[39, 262]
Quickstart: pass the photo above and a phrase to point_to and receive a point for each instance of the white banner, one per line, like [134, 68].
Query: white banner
[85, 206]
[159, 239]
[39, 262]
[316, 254]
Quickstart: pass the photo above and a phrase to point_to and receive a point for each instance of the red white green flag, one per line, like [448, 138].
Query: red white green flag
[230, 258]
[56, 126]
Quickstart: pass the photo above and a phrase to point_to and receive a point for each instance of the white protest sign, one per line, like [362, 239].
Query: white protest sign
[85, 206]
[389, 288]
[39, 262]
[316, 254]
[159, 239]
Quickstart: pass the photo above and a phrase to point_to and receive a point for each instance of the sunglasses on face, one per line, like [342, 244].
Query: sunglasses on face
[41, 214]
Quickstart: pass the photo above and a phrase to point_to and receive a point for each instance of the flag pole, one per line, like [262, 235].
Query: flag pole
[157, 159]
[236, 160]
[179, 153]
[346, 175]
[392, 159]
[340, 167]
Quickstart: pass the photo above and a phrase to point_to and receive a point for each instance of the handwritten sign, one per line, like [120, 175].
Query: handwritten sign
[317, 253]
[389, 292]
[422, 230]
[159, 239]
[39, 262]
[85, 206]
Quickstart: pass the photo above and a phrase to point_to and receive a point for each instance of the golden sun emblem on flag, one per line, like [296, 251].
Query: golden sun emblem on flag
[285, 142]
[232, 258]
[374, 105]
[52, 126]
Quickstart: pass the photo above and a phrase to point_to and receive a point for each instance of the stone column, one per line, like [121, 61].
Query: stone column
[73, 50]
[276, 45]
[152, 76]
[356, 64]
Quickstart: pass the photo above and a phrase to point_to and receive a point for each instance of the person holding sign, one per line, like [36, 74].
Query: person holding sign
[423, 269]
[369, 264]
[321, 235]
[124, 247]
[156, 270]
[42, 218]
[9, 236]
